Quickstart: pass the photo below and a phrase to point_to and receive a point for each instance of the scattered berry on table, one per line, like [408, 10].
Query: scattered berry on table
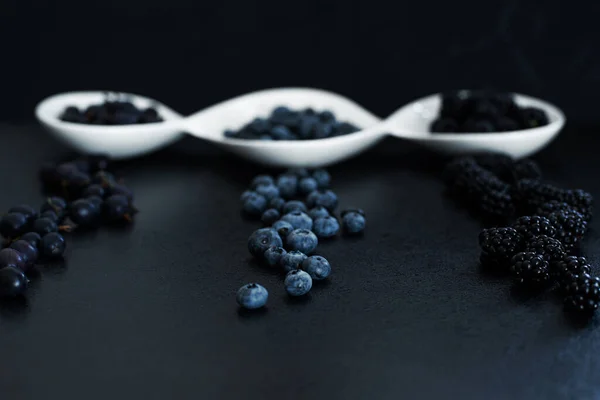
[530, 226]
[582, 293]
[581, 200]
[117, 208]
[530, 269]
[326, 227]
[353, 222]
[317, 267]
[553, 206]
[29, 212]
[551, 249]
[43, 226]
[12, 282]
[498, 246]
[318, 212]
[56, 204]
[307, 185]
[50, 215]
[302, 240]
[32, 238]
[255, 204]
[270, 216]
[325, 198]
[508, 169]
[261, 239]
[117, 188]
[294, 205]
[28, 252]
[571, 227]
[564, 271]
[13, 225]
[530, 194]
[11, 258]
[298, 219]
[53, 245]
[252, 296]
[283, 228]
[297, 282]
[292, 260]
[273, 255]
[84, 213]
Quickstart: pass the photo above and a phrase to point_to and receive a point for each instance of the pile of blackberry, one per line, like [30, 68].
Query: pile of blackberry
[286, 124]
[481, 111]
[297, 209]
[116, 109]
[82, 195]
[538, 241]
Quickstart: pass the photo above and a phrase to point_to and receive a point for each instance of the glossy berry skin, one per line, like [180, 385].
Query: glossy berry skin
[116, 208]
[302, 240]
[261, 180]
[252, 296]
[292, 260]
[32, 238]
[283, 228]
[326, 227]
[84, 213]
[29, 212]
[245, 195]
[13, 282]
[294, 205]
[325, 198]
[261, 239]
[29, 253]
[13, 225]
[353, 223]
[267, 191]
[297, 282]
[43, 226]
[317, 267]
[273, 256]
[322, 177]
[270, 216]
[318, 212]
[307, 185]
[53, 245]
[298, 219]
[287, 185]
[94, 190]
[118, 188]
[56, 204]
[254, 205]
[530, 269]
[50, 215]
[277, 203]
[96, 202]
[11, 258]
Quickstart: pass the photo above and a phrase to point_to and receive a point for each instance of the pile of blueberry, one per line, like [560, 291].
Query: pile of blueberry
[481, 111]
[83, 195]
[114, 110]
[538, 231]
[297, 209]
[286, 124]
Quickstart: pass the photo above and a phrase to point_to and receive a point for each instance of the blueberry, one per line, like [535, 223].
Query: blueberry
[352, 210]
[280, 111]
[247, 194]
[252, 296]
[260, 125]
[281, 132]
[353, 222]
[12, 282]
[326, 116]
[326, 227]
[262, 239]
[298, 219]
[287, 185]
[294, 205]
[325, 198]
[297, 282]
[283, 228]
[262, 180]
[307, 185]
[302, 240]
[277, 203]
[266, 137]
[273, 255]
[322, 177]
[317, 267]
[323, 131]
[270, 216]
[318, 212]
[255, 204]
[269, 191]
[298, 172]
[309, 112]
[307, 127]
[53, 245]
[44, 226]
[13, 224]
[292, 260]
[345, 128]
[230, 134]
[84, 213]
[444, 124]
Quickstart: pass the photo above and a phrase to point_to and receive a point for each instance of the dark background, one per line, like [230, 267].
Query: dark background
[149, 312]
[190, 54]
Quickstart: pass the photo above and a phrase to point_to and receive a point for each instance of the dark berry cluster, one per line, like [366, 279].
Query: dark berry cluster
[481, 111]
[114, 110]
[297, 209]
[286, 124]
[82, 195]
[537, 247]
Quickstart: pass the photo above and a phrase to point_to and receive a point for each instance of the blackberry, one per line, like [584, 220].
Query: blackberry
[506, 168]
[498, 246]
[565, 270]
[549, 248]
[546, 209]
[570, 228]
[581, 200]
[528, 227]
[530, 269]
[582, 293]
[530, 194]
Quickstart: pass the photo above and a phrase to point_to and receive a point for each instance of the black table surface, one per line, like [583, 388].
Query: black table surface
[150, 313]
